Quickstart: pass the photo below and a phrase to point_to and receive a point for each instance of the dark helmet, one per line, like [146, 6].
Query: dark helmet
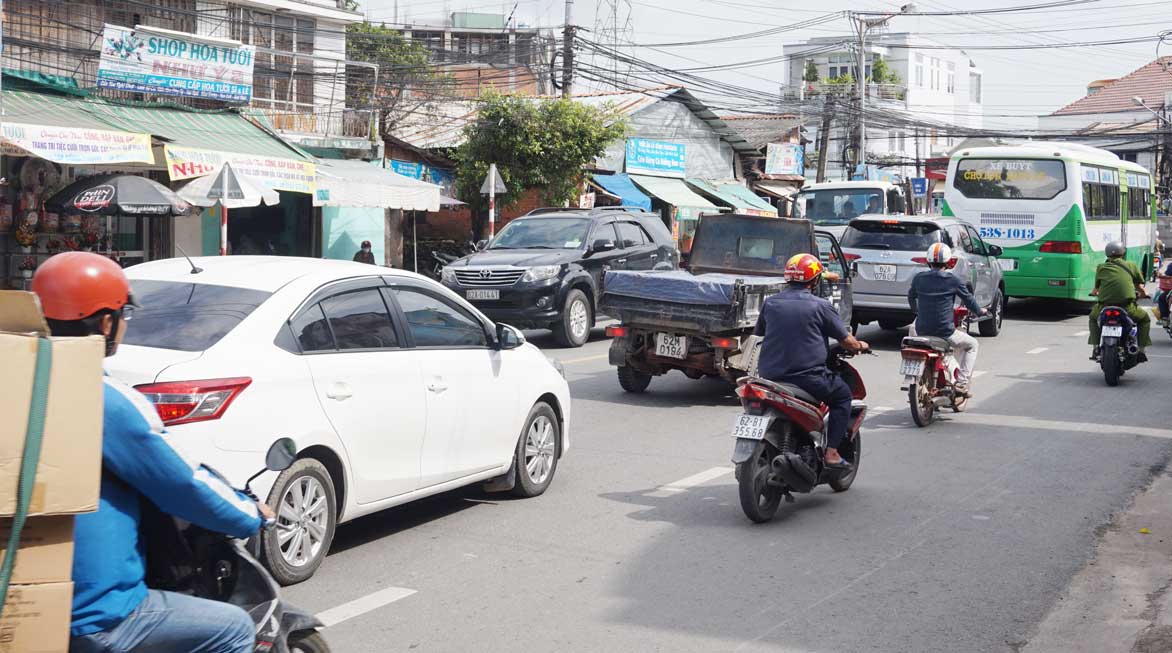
[1115, 249]
[366, 244]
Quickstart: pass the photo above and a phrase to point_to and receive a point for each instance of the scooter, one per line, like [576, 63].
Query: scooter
[1118, 343]
[780, 440]
[185, 558]
[931, 373]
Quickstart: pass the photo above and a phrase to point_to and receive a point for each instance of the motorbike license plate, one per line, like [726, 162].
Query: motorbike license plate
[912, 367]
[751, 427]
[484, 294]
[1113, 331]
[885, 272]
[670, 346]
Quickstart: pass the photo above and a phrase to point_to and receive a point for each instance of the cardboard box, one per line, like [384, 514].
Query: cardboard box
[45, 554]
[69, 472]
[36, 618]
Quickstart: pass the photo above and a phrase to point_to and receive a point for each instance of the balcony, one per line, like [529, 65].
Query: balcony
[342, 128]
[808, 90]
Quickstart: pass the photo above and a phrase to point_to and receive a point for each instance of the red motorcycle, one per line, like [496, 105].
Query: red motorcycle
[931, 373]
[781, 440]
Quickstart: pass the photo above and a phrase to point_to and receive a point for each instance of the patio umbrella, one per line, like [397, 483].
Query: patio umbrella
[230, 191]
[113, 194]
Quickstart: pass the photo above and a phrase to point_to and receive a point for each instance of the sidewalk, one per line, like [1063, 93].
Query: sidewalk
[1121, 600]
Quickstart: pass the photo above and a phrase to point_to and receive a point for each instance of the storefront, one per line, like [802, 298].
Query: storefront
[734, 195]
[621, 187]
[679, 206]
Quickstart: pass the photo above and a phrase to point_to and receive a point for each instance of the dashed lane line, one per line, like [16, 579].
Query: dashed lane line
[688, 482]
[585, 359]
[1018, 421]
[362, 605]
[1037, 350]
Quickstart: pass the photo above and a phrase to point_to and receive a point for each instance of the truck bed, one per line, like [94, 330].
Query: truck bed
[682, 301]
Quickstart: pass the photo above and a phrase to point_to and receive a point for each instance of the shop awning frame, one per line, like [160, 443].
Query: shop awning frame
[731, 193]
[351, 183]
[620, 185]
[674, 192]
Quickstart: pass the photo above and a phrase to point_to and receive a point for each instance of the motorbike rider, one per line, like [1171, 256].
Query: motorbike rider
[932, 296]
[794, 325]
[83, 294]
[1119, 282]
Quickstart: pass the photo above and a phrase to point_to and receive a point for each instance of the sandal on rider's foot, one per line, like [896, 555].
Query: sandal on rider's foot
[1141, 357]
[840, 465]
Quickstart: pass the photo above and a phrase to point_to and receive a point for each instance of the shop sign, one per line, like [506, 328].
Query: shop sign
[175, 64]
[288, 175]
[408, 168]
[784, 159]
[655, 158]
[74, 145]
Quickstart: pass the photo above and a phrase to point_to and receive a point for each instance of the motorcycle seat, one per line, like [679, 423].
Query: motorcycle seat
[789, 389]
[929, 342]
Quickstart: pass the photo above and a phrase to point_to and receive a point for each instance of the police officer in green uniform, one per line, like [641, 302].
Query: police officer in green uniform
[1118, 282]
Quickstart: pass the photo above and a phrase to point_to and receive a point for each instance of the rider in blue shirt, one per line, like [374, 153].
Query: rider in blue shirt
[83, 294]
[932, 295]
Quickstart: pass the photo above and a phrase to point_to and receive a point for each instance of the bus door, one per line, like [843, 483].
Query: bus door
[1124, 218]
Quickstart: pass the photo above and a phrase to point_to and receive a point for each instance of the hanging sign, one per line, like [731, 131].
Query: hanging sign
[288, 175]
[174, 63]
[784, 159]
[75, 145]
[656, 158]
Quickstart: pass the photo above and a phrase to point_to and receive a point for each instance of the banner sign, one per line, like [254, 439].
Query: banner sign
[442, 177]
[784, 159]
[75, 146]
[919, 186]
[656, 158]
[288, 175]
[175, 64]
[408, 168]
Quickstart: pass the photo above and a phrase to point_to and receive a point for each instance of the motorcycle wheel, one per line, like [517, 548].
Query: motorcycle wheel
[1109, 361]
[919, 397]
[759, 500]
[308, 641]
[853, 455]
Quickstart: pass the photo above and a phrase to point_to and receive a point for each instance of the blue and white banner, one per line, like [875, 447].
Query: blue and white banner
[784, 159]
[173, 63]
[656, 158]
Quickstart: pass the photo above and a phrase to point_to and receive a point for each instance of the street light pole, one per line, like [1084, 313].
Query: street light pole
[1163, 145]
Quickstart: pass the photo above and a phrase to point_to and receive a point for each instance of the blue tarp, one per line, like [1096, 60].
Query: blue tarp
[621, 185]
[679, 286]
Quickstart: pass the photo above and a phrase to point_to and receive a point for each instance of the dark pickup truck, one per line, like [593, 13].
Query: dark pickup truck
[700, 320]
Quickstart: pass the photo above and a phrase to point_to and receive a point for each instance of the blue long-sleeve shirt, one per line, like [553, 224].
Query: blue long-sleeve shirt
[108, 561]
[932, 297]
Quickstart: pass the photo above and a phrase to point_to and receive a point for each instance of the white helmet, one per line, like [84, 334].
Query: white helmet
[939, 254]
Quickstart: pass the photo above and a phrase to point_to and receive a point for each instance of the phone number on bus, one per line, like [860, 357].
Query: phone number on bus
[1009, 233]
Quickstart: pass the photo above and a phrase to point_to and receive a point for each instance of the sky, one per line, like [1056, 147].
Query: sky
[1019, 84]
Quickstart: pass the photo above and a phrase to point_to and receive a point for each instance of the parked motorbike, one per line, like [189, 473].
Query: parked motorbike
[781, 440]
[931, 373]
[185, 558]
[1118, 343]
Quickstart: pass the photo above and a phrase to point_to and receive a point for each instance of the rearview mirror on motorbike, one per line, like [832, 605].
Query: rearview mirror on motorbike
[281, 455]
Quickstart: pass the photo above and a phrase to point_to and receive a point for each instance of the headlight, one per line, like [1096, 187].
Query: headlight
[541, 273]
[448, 275]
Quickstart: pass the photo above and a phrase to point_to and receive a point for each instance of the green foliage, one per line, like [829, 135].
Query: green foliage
[536, 144]
[811, 73]
[845, 79]
[406, 81]
[881, 73]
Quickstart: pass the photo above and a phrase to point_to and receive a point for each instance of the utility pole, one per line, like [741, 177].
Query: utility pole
[568, 51]
[824, 137]
[916, 136]
[861, 91]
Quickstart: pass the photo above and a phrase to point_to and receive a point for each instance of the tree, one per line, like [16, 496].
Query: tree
[811, 73]
[881, 73]
[536, 144]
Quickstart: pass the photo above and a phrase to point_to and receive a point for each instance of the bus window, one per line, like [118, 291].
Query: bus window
[1100, 192]
[1019, 179]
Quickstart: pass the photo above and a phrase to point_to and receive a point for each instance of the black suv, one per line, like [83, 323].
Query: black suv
[544, 270]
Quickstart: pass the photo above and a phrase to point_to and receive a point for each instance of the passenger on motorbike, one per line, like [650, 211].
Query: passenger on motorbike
[932, 296]
[1164, 278]
[84, 294]
[794, 326]
[1119, 282]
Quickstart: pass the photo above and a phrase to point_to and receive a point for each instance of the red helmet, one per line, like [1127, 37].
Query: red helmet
[74, 285]
[803, 268]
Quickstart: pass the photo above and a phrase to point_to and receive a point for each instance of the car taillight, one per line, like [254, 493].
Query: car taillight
[183, 402]
[1061, 247]
[924, 261]
[616, 331]
[851, 257]
[920, 259]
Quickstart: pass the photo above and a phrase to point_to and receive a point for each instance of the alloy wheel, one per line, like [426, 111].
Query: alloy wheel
[579, 319]
[540, 448]
[302, 521]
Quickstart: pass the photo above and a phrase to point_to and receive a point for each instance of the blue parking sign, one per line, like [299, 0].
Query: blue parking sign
[919, 186]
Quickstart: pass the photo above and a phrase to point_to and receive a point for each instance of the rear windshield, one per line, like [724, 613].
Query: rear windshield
[737, 243]
[900, 236]
[834, 206]
[187, 316]
[1010, 179]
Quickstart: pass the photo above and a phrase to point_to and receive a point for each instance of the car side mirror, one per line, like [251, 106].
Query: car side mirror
[281, 455]
[508, 337]
[994, 250]
[602, 245]
[481, 244]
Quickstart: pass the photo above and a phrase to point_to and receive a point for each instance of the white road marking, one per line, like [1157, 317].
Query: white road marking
[362, 605]
[1037, 350]
[1018, 421]
[586, 359]
[980, 373]
[1081, 334]
[683, 484]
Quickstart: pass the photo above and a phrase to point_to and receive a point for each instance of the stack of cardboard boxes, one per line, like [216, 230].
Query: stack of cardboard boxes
[35, 617]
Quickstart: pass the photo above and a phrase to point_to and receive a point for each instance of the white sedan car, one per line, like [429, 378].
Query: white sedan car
[393, 387]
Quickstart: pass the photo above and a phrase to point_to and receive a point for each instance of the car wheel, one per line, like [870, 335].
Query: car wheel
[536, 458]
[303, 498]
[632, 380]
[991, 327]
[574, 328]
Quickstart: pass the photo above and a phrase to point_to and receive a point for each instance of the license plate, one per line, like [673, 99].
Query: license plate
[484, 294]
[885, 272]
[1113, 331]
[1007, 264]
[751, 427]
[671, 346]
[911, 367]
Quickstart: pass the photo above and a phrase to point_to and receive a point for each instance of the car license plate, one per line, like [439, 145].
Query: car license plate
[1113, 331]
[911, 367]
[751, 427]
[484, 294]
[885, 272]
[1007, 264]
[671, 346]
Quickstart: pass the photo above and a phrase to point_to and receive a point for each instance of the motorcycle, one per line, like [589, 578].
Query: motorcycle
[185, 558]
[1118, 343]
[931, 373]
[780, 440]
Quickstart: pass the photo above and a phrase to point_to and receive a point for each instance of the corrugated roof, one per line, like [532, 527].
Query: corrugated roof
[760, 131]
[1150, 82]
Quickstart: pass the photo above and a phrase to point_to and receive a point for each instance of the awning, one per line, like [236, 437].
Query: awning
[620, 185]
[778, 189]
[60, 128]
[676, 193]
[741, 199]
[342, 182]
[599, 190]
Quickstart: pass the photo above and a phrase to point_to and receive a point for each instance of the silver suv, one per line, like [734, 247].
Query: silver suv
[887, 251]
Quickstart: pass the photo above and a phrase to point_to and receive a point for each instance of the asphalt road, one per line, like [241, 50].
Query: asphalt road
[957, 537]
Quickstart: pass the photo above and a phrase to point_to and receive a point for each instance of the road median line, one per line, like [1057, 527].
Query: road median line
[362, 605]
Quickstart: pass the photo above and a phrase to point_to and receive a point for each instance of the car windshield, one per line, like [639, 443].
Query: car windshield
[891, 235]
[542, 233]
[187, 316]
[840, 205]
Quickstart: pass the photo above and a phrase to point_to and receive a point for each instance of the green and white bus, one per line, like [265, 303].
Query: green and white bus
[1052, 208]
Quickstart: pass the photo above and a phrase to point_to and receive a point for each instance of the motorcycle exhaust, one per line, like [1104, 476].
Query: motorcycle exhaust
[1132, 348]
[796, 474]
